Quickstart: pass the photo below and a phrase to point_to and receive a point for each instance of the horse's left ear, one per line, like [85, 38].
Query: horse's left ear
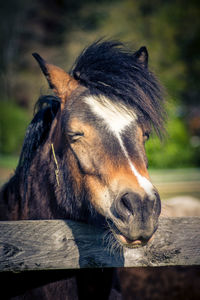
[142, 56]
[61, 82]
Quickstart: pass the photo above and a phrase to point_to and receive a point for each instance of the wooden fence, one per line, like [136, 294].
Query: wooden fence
[61, 244]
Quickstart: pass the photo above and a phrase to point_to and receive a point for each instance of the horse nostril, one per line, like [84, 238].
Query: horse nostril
[130, 204]
[126, 202]
[125, 206]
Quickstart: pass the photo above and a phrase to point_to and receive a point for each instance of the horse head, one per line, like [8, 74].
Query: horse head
[109, 102]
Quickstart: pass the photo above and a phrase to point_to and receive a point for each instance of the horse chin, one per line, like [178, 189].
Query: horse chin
[125, 242]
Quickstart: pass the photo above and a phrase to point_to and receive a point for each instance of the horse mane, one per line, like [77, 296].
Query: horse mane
[109, 68]
[37, 132]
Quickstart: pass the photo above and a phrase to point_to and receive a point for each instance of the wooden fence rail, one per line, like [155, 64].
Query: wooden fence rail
[61, 244]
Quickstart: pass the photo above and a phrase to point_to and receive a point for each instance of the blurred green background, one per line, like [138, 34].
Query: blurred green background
[60, 29]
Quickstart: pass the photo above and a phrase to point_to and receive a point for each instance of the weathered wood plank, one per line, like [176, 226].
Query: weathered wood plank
[60, 244]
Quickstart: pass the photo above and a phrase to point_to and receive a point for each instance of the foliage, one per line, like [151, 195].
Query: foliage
[175, 150]
[13, 121]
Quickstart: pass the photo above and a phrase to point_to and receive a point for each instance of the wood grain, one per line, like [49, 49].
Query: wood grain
[61, 244]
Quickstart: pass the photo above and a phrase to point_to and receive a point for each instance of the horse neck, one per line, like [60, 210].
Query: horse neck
[35, 194]
[10, 199]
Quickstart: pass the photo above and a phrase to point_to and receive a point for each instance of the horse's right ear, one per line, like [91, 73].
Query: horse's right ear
[61, 82]
[142, 56]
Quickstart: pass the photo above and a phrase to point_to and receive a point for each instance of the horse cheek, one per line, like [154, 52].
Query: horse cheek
[99, 195]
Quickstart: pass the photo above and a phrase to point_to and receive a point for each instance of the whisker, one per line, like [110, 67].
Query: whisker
[112, 244]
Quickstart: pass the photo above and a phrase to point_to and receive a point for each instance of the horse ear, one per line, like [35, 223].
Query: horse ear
[142, 56]
[61, 82]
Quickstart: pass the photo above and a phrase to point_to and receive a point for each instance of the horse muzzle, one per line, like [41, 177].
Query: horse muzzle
[134, 218]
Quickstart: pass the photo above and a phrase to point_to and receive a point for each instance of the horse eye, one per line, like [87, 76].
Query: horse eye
[74, 136]
[146, 136]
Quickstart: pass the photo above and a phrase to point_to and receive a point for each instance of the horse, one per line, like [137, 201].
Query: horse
[83, 158]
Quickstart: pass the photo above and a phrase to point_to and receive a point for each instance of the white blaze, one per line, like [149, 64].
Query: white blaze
[117, 118]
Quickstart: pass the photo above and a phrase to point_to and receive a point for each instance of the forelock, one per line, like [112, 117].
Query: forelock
[108, 68]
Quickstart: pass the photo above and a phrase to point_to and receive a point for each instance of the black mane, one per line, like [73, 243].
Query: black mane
[37, 133]
[109, 68]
